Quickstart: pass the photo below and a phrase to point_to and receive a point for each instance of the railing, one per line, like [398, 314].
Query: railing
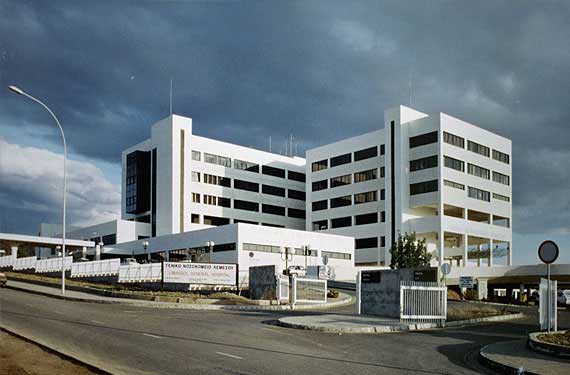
[106, 267]
[6, 261]
[136, 273]
[308, 290]
[53, 264]
[24, 263]
[423, 302]
[283, 288]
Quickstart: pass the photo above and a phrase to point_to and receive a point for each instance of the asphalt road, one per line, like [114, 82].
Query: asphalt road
[135, 340]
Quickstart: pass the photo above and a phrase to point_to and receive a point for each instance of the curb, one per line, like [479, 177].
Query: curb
[498, 366]
[401, 328]
[542, 347]
[57, 352]
[186, 306]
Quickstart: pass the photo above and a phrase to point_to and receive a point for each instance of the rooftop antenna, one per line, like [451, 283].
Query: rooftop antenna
[291, 145]
[411, 86]
[170, 96]
[269, 143]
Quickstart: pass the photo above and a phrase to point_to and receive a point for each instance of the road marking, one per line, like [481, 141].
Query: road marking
[229, 355]
[98, 322]
[130, 311]
[275, 331]
[149, 335]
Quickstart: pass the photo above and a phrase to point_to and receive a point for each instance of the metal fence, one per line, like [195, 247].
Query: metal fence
[105, 267]
[137, 273]
[423, 302]
[6, 261]
[53, 264]
[24, 263]
[308, 290]
[283, 288]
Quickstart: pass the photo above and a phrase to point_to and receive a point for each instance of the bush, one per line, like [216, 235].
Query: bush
[332, 293]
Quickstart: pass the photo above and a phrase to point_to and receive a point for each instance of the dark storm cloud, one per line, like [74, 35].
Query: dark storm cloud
[323, 71]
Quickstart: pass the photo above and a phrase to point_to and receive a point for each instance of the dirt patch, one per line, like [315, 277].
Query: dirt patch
[19, 357]
[560, 338]
[473, 311]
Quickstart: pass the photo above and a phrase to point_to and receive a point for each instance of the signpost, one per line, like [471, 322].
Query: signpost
[466, 282]
[445, 270]
[548, 253]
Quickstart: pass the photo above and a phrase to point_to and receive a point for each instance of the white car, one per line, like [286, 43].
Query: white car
[563, 297]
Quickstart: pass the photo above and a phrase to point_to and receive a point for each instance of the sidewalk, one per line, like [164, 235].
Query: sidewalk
[511, 356]
[71, 295]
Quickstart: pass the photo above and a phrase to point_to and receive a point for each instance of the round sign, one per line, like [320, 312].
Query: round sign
[251, 254]
[325, 260]
[548, 252]
[445, 269]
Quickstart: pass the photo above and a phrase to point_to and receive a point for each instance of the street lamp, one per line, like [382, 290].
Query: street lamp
[287, 256]
[145, 245]
[18, 91]
[210, 245]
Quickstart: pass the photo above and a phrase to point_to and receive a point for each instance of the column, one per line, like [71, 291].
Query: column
[521, 291]
[510, 256]
[441, 244]
[14, 252]
[490, 252]
[465, 250]
[479, 255]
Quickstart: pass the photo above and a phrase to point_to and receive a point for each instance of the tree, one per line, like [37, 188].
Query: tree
[409, 252]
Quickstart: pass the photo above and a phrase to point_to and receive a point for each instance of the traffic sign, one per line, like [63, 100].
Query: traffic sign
[466, 282]
[548, 252]
[445, 269]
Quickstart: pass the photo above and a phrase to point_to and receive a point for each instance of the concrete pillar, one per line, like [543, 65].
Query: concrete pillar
[521, 291]
[510, 254]
[97, 252]
[84, 253]
[482, 289]
[479, 256]
[490, 252]
[441, 246]
[168, 256]
[465, 250]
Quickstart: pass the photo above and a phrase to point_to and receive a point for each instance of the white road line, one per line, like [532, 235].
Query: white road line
[229, 355]
[149, 335]
[130, 311]
[98, 322]
[275, 331]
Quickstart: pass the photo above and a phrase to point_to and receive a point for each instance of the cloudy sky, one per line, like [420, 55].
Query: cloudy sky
[247, 70]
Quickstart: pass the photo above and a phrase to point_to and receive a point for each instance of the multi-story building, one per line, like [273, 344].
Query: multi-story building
[177, 179]
[403, 177]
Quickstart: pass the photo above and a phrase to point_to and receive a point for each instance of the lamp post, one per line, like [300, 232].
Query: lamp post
[18, 91]
[287, 256]
[145, 245]
[210, 245]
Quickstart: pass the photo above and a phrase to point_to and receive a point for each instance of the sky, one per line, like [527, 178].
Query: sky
[249, 70]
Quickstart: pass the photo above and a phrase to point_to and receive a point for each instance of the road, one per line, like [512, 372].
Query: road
[138, 340]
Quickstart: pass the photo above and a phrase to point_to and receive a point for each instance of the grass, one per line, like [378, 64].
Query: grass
[558, 338]
[472, 311]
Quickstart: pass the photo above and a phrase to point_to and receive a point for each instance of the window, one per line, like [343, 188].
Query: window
[453, 139]
[335, 255]
[366, 219]
[319, 165]
[341, 180]
[366, 243]
[246, 185]
[109, 239]
[383, 216]
[478, 171]
[246, 166]
[477, 148]
[320, 225]
[217, 180]
[195, 176]
[370, 174]
[296, 194]
[423, 163]
[501, 178]
[224, 202]
[479, 194]
[341, 222]
[423, 139]
[298, 214]
[196, 155]
[216, 159]
[500, 197]
[261, 248]
[382, 149]
[305, 252]
[370, 196]
[195, 218]
[272, 171]
[236, 221]
[224, 247]
[454, 185]
[367, 153]
[210, 199]
[320, 205]
[320, 185]
[217, 221]
[382, 172]
[382, 241]
[272, 225]
[452, 163]
[341, 201]
[423, 187]
[195, 197]
[273, 210]
[246, 205]
[502, 157]
[296, 176]
[341, 159]
[382, 194]
[273, 190]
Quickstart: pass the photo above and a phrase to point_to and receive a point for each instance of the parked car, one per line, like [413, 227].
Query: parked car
[563, 297]
[3, 279]
[298, 271]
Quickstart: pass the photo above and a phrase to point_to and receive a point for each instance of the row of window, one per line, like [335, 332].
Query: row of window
[363, 154]
[458, 141]
[369, 242]
[249, 186]
[347, 200]
[218, 221]
[248, 166]
[364, 219]
[296, 251]
[476, 193]
[476, 170]
[248, 206]
[347, 179]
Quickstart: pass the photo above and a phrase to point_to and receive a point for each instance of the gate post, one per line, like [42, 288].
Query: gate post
[358, 293]
[293, 290]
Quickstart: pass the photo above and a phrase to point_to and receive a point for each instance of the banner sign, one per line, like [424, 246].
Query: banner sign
[200, 273]
[427, 275]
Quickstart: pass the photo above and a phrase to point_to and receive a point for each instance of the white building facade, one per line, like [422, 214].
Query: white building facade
[176, 178]
[403, 177]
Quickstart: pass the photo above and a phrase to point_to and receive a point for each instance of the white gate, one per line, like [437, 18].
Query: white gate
[308, 290]
[423, 302]
[282, 288]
